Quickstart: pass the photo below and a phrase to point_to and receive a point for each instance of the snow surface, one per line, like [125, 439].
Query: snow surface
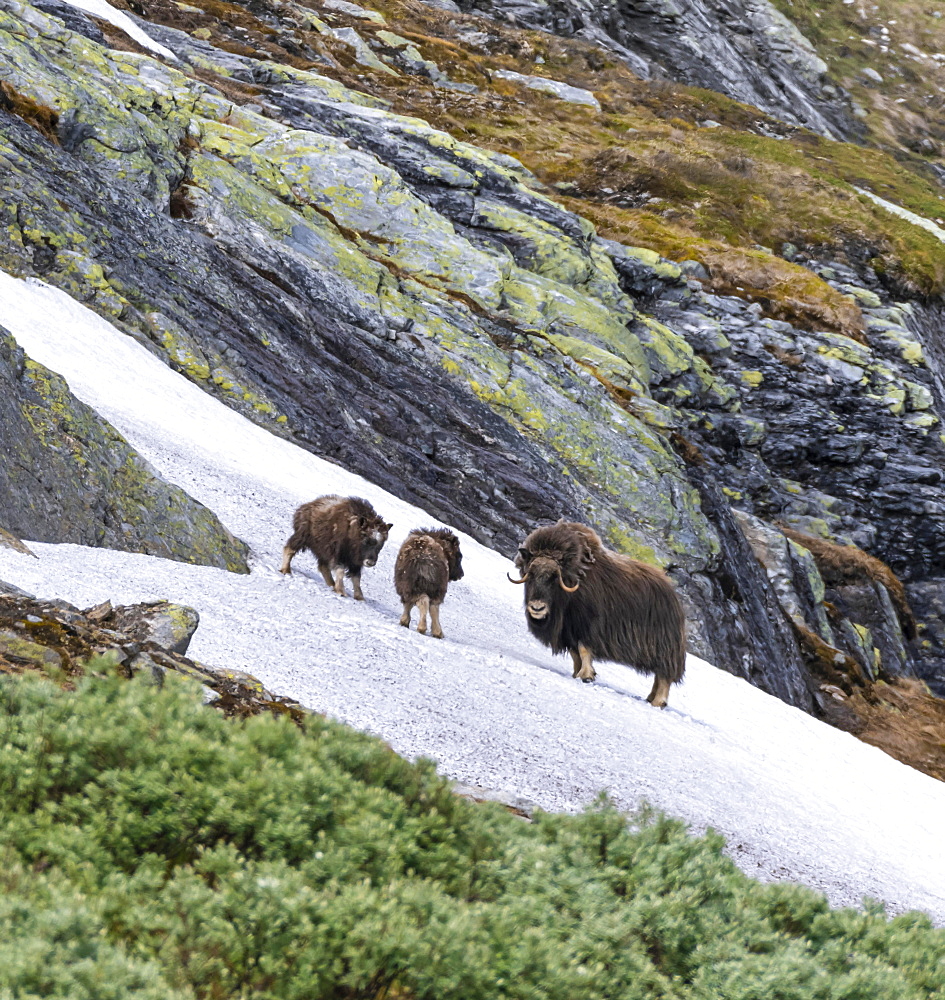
[104, 10]
[795, 798]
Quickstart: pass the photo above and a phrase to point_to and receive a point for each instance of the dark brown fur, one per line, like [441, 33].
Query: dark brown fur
[428, 560]
[840, 564]
[343, 533]
[622, 610]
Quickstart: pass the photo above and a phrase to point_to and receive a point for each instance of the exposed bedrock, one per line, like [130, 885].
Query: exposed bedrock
[744, 48]
[68, 476]
[419, 311]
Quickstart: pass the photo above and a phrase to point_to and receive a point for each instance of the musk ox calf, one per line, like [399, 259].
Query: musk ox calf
[343, 533]
[428, 560]
[592, 602]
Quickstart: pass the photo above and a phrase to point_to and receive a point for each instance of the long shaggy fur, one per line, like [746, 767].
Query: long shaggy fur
[427, 561]
[343, 533]
[623, 610]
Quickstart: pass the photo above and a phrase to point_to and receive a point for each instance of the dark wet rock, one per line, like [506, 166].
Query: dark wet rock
[744, 48]
[74, 19]
[68, 476]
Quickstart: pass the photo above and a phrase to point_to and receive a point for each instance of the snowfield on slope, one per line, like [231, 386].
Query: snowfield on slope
[794, 798]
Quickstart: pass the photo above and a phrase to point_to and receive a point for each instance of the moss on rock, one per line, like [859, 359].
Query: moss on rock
[68, 476]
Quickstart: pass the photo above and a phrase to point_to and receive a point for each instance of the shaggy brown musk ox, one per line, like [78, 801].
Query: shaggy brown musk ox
[428, 560]
[592, 602]
[343, 533]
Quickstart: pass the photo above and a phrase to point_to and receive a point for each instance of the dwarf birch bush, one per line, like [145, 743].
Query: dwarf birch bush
[150, 848]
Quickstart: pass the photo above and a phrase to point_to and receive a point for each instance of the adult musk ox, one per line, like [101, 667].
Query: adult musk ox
[428, 560]
[592, 602]
[343, 533]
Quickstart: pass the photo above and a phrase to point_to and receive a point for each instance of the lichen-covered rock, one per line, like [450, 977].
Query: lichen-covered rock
[168, 625]
[68, 476]
[55, 638]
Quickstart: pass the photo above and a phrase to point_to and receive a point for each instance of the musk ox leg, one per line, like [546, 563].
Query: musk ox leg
[435, 629]
[423, 603]
[340, 581]
[576, 659]
[587, 673]
[405, 617]
[325, 571]
[288, 554]
[356, 586]
[657, 697]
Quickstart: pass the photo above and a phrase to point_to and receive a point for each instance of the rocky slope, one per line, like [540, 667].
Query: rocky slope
[267, 212]
[748, 50]
[67, 476]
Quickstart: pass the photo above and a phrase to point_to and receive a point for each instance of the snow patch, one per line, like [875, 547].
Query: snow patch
[795, 798]
[904, 213]
[105, 11]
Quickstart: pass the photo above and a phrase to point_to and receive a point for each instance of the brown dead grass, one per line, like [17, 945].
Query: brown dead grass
[905, 720]
[900, 716]
[785, 291]
[38, 116]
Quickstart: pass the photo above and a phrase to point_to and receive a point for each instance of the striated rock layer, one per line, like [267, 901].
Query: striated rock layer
[744, 48]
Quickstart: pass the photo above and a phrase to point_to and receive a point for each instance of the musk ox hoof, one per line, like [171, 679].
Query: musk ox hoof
[437, 635]
[359, 597]
[286, 572]
[405, 624]
[588, 680]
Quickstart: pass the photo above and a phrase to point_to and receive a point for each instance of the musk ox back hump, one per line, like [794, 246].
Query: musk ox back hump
[421, 568]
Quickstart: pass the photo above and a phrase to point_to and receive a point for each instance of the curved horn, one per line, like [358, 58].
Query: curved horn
[524, 578]
[564, 586]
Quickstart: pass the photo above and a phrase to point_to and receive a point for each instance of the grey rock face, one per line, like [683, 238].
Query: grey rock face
[67, 476]
[563, 91]
[744, 48]
[9, 541]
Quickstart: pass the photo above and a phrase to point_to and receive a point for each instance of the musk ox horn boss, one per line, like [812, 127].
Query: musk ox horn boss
[428, 560]
[595, 603]
[343, 533]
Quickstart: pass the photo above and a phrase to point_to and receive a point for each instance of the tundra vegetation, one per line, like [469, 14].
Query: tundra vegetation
[153, 849]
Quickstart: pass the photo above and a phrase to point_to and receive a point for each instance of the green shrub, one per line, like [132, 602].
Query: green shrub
[151, 848]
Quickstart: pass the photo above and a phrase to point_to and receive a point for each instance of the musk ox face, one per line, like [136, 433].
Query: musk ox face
[546, 582]
[373, 537]
[454, 558]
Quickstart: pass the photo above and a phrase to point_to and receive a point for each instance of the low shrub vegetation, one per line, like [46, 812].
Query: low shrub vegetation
[151, 848]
